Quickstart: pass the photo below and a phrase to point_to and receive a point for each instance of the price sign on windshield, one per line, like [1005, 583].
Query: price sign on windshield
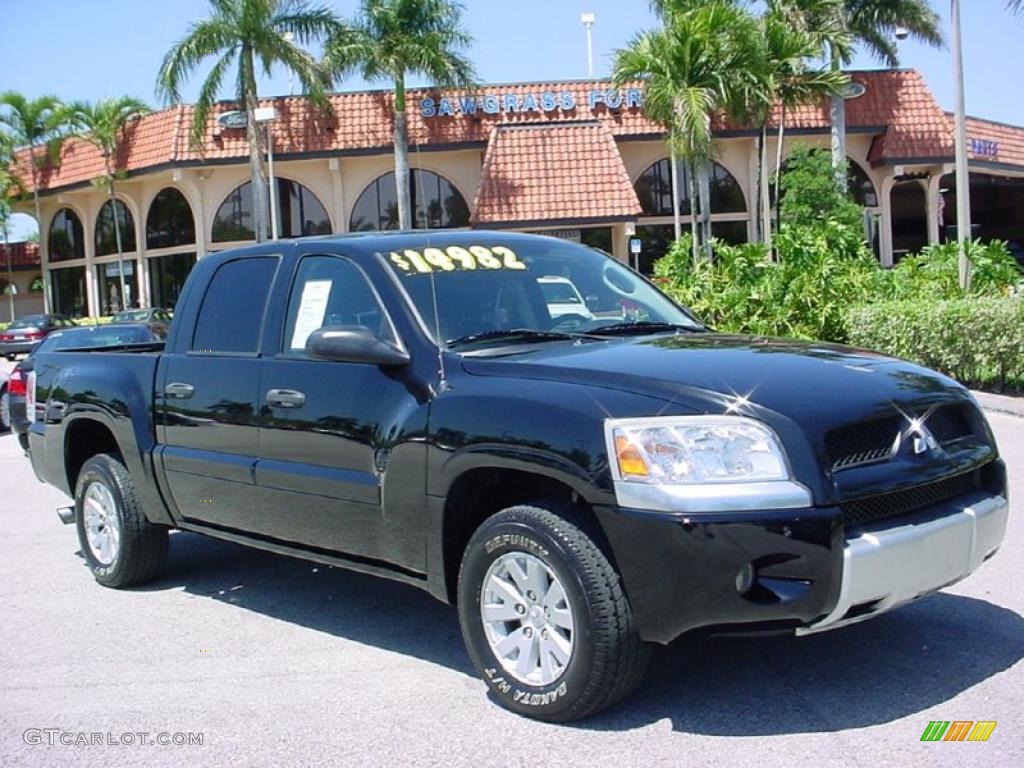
[455, 258]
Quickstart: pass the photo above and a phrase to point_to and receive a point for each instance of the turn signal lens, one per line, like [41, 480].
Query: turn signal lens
[629, 458]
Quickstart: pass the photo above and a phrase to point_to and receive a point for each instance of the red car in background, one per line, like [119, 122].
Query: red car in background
[25, 332]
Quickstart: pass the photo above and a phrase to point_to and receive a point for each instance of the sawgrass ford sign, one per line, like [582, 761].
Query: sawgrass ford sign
[530, 101]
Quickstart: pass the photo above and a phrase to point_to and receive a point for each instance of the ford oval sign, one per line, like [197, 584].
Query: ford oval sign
[235, 119]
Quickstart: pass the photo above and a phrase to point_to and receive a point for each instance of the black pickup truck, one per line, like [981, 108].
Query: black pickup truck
[584, 470]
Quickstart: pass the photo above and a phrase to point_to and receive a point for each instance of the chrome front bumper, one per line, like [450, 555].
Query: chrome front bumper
[888, 568]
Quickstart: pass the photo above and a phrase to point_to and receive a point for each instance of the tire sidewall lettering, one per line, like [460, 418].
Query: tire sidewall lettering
[560, 693]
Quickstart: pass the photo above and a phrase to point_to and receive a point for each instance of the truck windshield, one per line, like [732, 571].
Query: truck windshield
[487, 288]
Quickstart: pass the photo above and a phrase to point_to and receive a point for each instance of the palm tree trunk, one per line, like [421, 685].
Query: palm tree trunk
[43, 237]
[838, 120]
[10, 273]
[677, 225]
[692, 188]
[765, 199]
[259, 191]
[401, 139]
[117, 234]
[704, 191]
[778, 170]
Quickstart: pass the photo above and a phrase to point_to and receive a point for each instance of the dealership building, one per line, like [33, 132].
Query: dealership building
[578, 160]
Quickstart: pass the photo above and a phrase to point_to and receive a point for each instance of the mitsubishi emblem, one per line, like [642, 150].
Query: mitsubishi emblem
[924, 441]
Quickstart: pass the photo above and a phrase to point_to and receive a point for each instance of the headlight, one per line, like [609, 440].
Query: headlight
[700, 463]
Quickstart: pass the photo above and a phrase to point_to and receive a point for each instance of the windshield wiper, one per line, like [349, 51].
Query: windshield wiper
[524, 334]
[642, 327]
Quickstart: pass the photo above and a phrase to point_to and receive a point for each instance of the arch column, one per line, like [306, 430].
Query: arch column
[932, 202]
[142, 278]
[92, 286]
[886, 234]
[338, 190]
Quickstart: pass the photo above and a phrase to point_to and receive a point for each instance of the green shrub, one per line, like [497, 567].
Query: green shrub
[934, 272]
[977, 340]
[823, 270]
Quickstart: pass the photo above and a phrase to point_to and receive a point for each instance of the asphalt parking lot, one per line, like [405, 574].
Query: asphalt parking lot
[280, 662]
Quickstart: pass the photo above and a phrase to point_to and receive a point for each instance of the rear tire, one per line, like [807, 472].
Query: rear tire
[544, 616]
[5, 411]
[121, 547]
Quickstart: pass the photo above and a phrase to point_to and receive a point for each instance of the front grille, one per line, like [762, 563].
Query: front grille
[862, 443]
[949, 424]
[897, 503]
[871, 441]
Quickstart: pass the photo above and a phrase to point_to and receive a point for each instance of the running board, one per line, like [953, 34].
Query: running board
[66, 515]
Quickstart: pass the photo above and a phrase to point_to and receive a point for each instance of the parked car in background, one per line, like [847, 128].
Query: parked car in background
[149, 315]
[25, 332]
[563, 297]
[108, 337]
[153, 315]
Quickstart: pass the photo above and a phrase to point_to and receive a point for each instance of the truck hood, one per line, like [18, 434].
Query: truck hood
[816, 385]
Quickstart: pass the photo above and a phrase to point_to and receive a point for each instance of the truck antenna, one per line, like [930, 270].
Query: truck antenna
[443, 379]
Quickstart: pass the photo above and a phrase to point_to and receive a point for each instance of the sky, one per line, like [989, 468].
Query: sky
[60, 46]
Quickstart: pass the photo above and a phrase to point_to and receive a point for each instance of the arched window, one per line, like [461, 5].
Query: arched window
[37, 284]
[169, 221]
[301, 213]
[860, 187]
[654, 188]
[106, 237]
[436, 204]
[66, 240]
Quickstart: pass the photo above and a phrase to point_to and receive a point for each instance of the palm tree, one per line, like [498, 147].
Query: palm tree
[104, 124]
[788, 81]
[249, 32]
[873, 24]
[392, 39]
[34, 123]
[702, 60]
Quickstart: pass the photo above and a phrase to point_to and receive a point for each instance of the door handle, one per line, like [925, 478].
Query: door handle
[179, 390]
[286, 398]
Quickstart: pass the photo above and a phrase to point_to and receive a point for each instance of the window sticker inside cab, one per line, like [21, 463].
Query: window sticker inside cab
[455, 258]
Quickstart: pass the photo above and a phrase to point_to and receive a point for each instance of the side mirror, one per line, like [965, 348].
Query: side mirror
[353, 344]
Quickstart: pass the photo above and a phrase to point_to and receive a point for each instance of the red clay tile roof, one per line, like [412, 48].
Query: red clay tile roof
[896, 101]
[23, 256]
[552, 173]
[917, 129]
[990, 142]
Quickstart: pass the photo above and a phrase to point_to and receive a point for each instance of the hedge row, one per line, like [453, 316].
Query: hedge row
[979, 341]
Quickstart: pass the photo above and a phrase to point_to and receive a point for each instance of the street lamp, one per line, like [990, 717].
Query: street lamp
[587, 20]
[963, 181]
[266, 116]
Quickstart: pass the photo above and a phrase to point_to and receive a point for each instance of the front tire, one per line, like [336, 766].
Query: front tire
[544, 616]
[121, 547]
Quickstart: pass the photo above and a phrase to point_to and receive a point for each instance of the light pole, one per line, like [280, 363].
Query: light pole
[587, 20]
[266, 116]
[963, 180]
